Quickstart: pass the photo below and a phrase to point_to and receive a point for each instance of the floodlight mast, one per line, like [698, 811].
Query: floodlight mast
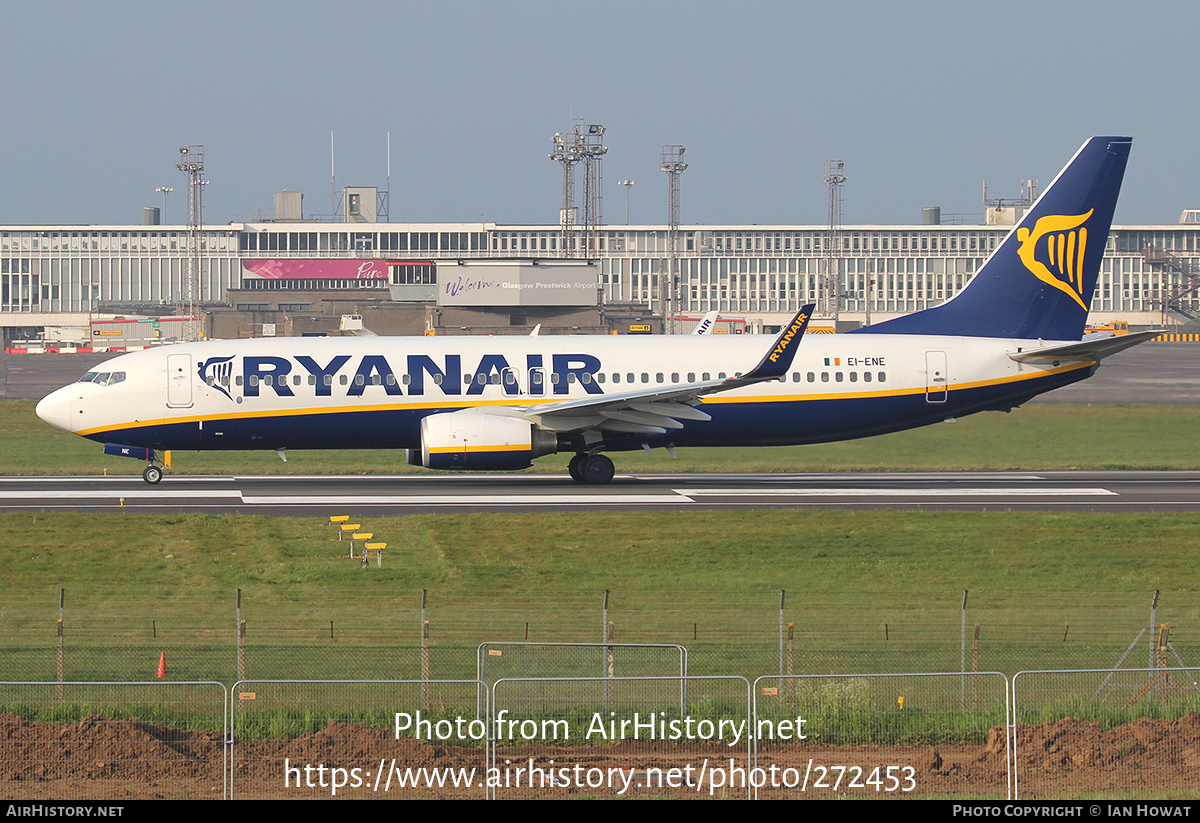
[834, 180]
[191, 163]
[566, 152]
[672, 163]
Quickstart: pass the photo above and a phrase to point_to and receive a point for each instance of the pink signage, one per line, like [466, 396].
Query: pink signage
[318, 269]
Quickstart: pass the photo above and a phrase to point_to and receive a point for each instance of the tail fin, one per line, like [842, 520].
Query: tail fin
[1039, 281]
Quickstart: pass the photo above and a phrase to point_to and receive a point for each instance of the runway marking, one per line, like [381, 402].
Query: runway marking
[853, 492]
[135, 493]
[464, 500]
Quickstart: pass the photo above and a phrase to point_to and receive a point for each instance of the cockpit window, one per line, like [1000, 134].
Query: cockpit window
[103, 378]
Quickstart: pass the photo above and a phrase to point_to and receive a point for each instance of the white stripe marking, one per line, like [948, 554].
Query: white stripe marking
[852, 492]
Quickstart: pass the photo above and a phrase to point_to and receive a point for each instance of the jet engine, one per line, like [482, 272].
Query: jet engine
[480, 440]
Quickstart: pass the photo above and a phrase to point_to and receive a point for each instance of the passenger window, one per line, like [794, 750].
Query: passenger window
[866, 377]
[812, 377]
[838, 377]
[824, 377]
[342, 379]
[853, 377]
[437, 380]
[358, 380]
[883, 377]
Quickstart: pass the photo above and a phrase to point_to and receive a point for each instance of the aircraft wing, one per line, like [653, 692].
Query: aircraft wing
[655, 410]
[1095, 349]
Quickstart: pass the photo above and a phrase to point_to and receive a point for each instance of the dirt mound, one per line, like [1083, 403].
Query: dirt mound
[101, 758]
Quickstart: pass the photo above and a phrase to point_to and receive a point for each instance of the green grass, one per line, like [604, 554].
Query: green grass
[1042, 437]
[866, 591]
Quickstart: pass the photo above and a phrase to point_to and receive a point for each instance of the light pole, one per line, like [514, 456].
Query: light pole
[627, 184]
[165, 190]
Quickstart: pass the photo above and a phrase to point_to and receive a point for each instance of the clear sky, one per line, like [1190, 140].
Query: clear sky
[923, 100]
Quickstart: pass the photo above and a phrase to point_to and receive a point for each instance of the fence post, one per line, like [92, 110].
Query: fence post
[790, 684]
[241, 649]
[63, 594]
[782, 595]
[610, 667]
[963, 654]
[425, 665]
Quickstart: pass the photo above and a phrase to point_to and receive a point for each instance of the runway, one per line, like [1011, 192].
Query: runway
[412, 494]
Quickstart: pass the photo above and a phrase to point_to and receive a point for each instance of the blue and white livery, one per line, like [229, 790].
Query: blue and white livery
[499, 402]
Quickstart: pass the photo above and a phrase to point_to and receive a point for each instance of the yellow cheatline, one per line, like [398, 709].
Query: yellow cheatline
[443, 404]
[472, 449]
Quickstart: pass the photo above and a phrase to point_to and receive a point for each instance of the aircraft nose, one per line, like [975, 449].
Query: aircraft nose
[55, 409]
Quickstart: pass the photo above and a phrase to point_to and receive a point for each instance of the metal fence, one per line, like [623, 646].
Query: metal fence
[359, 739]
[1128, 732]
[883, 735]
[436, 635]
[101, 741]
[1117, 733]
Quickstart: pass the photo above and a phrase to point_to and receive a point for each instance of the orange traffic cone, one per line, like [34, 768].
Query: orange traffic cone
[162, 664]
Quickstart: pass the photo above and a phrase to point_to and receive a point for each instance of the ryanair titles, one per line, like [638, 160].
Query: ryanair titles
[413, 375]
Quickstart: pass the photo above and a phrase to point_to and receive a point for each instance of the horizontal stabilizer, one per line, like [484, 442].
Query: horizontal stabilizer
[1096, 349]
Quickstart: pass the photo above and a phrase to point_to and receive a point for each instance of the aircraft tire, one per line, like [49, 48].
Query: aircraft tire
[598, 470]
[152, 474]
[575, 467]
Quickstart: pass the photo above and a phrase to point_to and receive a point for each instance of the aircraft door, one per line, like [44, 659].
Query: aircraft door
[179, 381]
[937, 378]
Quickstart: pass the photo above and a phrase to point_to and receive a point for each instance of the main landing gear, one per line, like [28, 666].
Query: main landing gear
[592, 469]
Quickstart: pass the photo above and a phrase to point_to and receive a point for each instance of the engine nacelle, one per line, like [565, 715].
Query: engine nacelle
[479, 440]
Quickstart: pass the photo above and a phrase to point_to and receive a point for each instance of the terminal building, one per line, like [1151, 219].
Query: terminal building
[295, 277]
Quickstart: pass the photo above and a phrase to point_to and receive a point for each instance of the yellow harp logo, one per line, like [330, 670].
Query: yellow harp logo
[1066, 241]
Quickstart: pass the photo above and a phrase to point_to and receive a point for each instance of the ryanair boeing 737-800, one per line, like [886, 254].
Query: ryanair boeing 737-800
[497, 403]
